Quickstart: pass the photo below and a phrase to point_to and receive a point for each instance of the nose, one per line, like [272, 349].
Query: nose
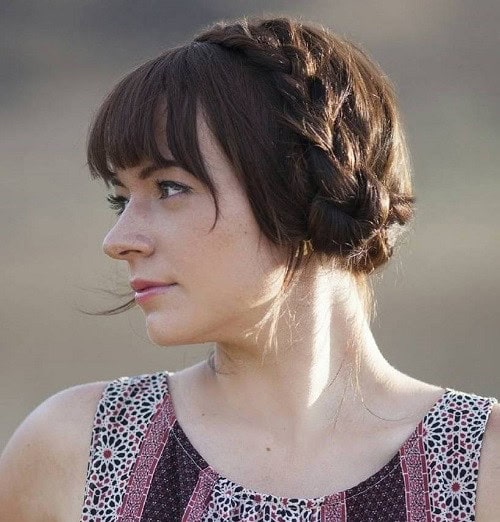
[123, 244]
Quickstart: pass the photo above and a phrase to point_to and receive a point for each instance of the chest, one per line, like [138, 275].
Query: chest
[316, 468]
[245, 454]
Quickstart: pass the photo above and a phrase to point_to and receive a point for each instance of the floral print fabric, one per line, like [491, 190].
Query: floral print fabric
[142, 467]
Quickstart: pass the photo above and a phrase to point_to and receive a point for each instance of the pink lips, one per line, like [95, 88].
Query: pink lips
[147, 288]
[151, 291]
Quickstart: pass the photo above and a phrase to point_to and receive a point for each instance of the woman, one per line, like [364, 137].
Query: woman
[260, 176]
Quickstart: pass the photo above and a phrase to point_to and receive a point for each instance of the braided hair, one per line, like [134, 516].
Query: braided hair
[339, 116]
[308, 121]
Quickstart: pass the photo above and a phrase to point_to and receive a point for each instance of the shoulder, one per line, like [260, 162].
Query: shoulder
[488, 483]
[43, 466]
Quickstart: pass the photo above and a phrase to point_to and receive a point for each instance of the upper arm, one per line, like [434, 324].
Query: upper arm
[43, 466]
[488, 483]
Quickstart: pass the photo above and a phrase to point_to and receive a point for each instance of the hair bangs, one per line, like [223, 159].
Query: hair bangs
[122, 133]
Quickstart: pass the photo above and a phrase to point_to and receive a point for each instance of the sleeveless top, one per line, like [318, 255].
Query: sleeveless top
[142, 467]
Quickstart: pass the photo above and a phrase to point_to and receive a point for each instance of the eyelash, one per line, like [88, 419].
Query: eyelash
[117, 203]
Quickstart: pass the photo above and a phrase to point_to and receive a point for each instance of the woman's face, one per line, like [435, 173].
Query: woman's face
[224, 277]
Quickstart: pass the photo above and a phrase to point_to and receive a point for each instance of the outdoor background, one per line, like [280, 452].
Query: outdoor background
[437, 312]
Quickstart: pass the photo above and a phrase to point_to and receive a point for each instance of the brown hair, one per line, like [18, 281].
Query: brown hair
[308, 121]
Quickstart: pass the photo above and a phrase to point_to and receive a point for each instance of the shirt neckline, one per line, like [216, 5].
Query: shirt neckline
[353, 491]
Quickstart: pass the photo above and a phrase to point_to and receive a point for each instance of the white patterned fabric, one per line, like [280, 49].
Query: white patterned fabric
[142, 467]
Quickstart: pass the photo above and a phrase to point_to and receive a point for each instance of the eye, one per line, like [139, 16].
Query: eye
[163, 187]
[117, 203]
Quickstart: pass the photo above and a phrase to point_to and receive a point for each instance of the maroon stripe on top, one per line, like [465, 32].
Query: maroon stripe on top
[384, 496]
[334, 509]
[416, 478]
[178, 484]
[200, 496]
[150, 452]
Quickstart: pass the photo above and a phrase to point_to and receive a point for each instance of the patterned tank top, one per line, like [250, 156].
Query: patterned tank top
[142, 467]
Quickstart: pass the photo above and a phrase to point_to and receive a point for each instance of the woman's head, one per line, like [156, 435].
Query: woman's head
[225, 276]
[309, 127]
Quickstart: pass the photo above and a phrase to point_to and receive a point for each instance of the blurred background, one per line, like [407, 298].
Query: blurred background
[437, 309]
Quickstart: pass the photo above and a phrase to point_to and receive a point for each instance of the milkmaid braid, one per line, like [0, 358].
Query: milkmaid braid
[348, 156]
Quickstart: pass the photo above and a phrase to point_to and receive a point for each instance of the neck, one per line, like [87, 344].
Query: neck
[305, 381]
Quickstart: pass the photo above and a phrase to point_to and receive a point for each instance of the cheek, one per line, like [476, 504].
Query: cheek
[230, 265]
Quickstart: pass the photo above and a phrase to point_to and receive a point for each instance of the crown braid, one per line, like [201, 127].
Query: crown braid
[330, 98]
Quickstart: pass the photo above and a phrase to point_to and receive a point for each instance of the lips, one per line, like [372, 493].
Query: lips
[140, 285]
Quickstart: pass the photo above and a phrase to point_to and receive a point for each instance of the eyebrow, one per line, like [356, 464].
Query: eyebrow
[148, 171]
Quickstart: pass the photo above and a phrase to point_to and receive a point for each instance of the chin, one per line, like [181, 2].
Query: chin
[160, 339]
[165, 336]
[168, 332]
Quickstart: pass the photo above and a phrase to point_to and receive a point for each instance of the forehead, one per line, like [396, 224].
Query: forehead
[209, 148]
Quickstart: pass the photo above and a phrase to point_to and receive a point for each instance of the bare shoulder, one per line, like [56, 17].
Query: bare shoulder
[43, 467]
[488, 483]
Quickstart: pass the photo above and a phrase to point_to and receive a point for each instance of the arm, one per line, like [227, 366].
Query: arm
[488, 482]
[43, 466]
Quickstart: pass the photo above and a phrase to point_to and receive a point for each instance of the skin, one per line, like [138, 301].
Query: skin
[280, 410]
[221, 299]
[227, 281]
